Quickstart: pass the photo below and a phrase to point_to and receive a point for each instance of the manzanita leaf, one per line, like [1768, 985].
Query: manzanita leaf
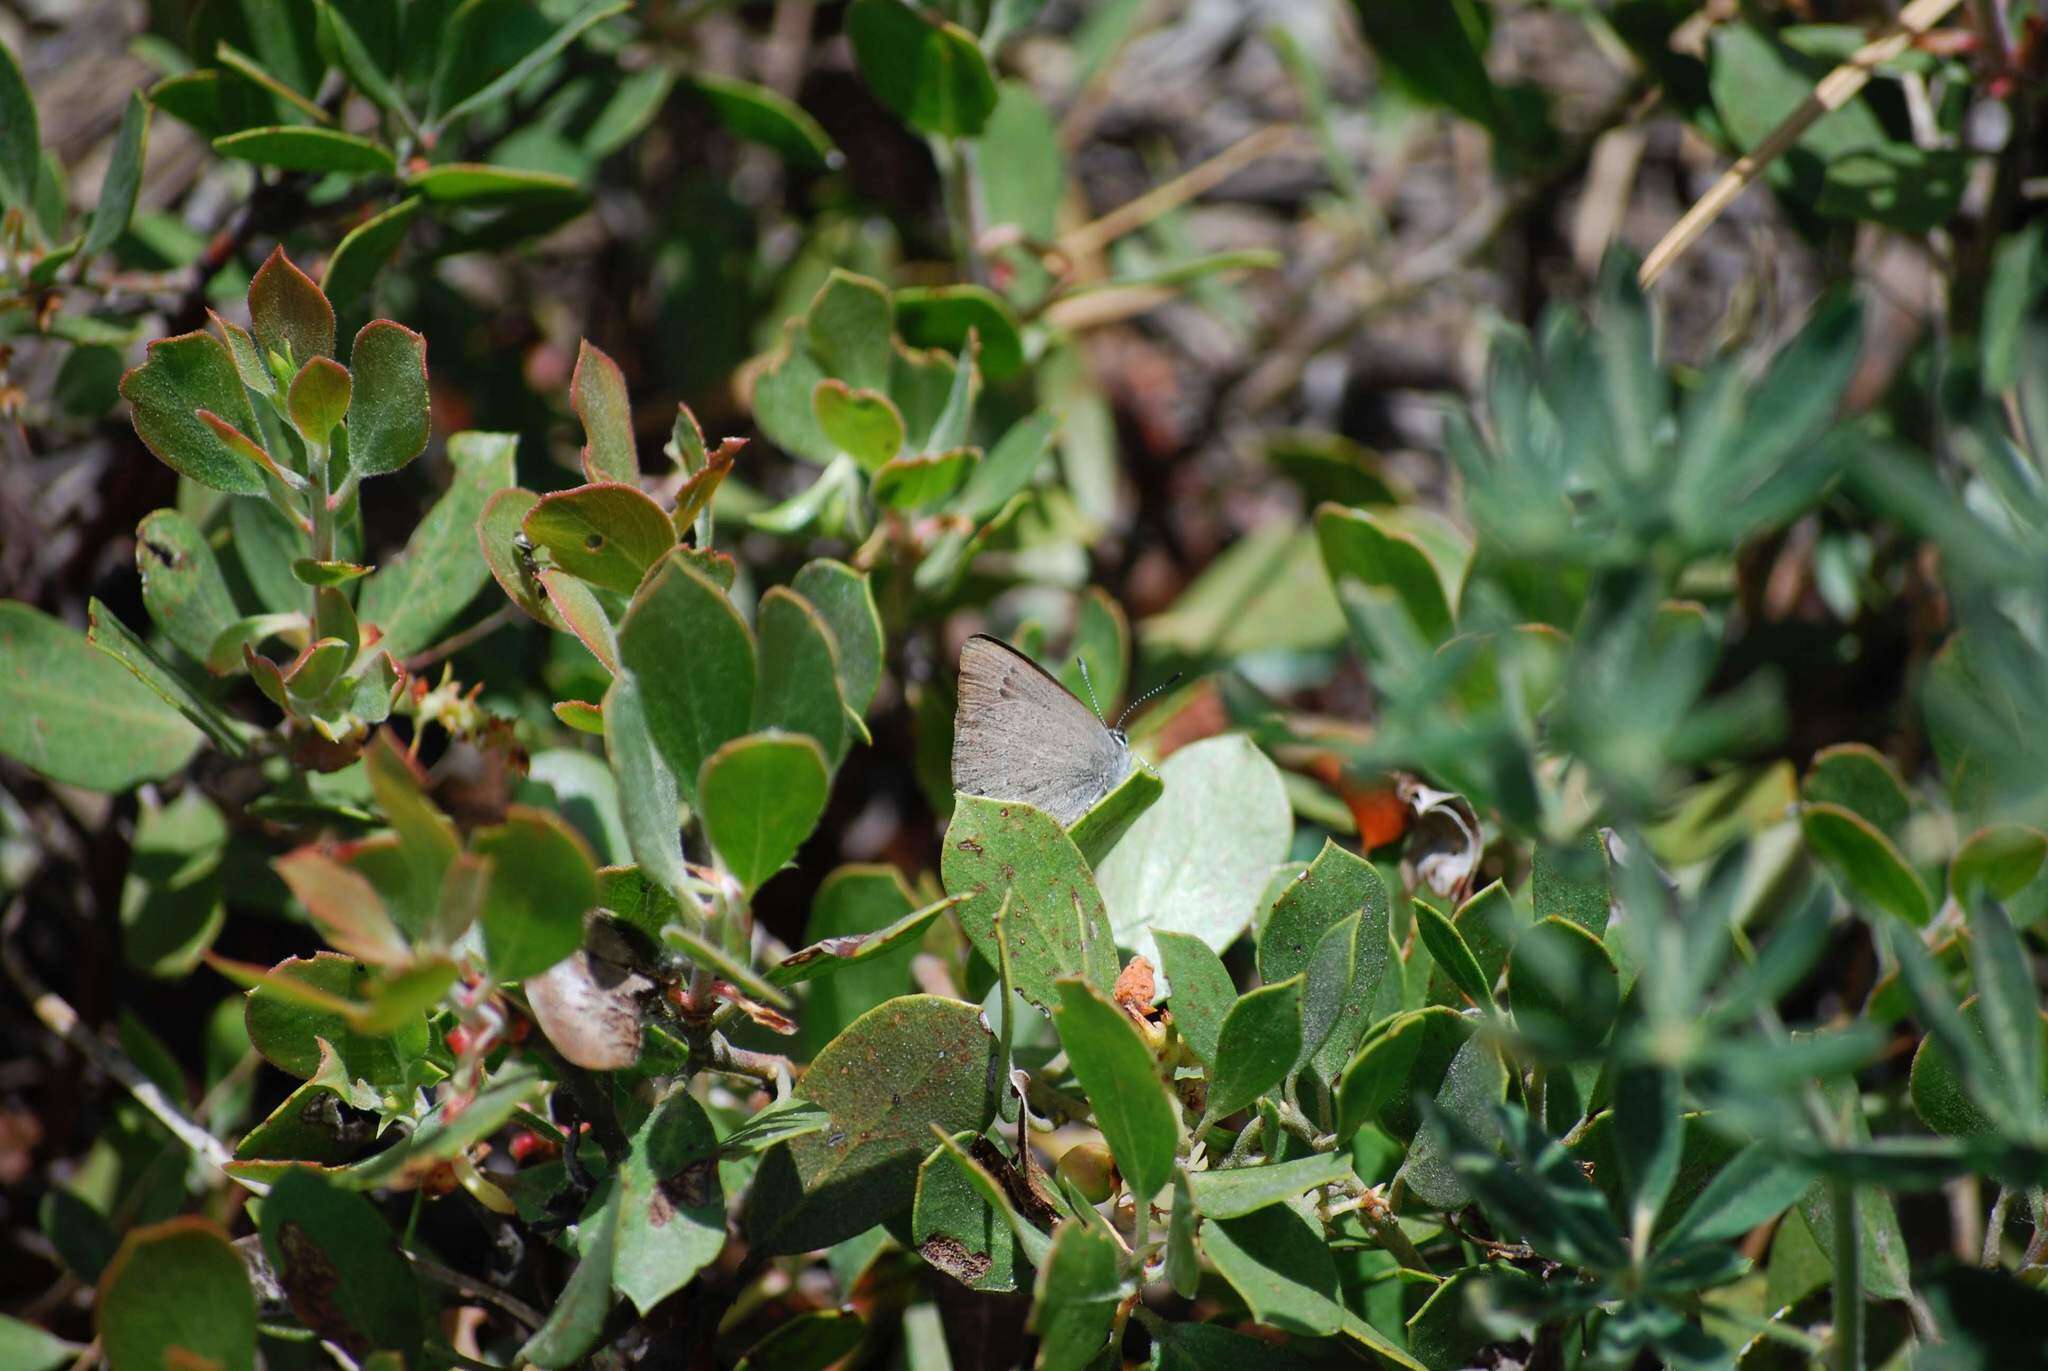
[843, 597]
[848, 327]
[598, 390]
[182, 585]
[1056, 925]
[1196, 861]
[298, 147]
[179, 377]
[693, 658]
[1074, 1301]
[607, 534]
[929, 72]
[364, 249]
[340, 1266]
[760, 796]
[542, 881]
[671, 1204]
[1200, 991]
[898, 1070]
[864, 423]
[799, 686]
[1121, 1076]
[417, 593]
[177, 1293]
[78, 715]
[318, 398]
[1256, 1047]
[388, 414]
[1241, 1190]
[922, 480]
[288, 314]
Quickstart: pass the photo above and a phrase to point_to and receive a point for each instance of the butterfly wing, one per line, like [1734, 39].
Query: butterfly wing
[1019, 734]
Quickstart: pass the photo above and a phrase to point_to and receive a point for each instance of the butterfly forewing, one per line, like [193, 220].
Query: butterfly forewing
[1021, 735]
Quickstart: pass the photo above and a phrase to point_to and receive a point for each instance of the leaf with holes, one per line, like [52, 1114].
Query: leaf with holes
[606, 534]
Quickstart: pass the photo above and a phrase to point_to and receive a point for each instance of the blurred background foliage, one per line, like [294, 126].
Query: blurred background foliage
[1293, 345]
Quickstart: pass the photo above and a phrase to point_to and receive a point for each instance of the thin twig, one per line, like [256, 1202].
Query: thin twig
[477, 1290]
[1835, 90]
[455, 642]
[1162, 199]
[62, 1020]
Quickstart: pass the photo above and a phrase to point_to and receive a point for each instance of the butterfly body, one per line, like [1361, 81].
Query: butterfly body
[1019, 734]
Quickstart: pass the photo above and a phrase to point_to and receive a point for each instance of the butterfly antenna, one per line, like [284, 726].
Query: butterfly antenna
[1130, 708]
[1082, 662]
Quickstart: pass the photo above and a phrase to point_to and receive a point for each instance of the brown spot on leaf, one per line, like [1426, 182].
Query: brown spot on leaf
[310, 1281]
[690, 1188]
[951, 1256]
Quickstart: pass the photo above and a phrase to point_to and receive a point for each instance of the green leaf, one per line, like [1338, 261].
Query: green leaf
[1242, 1190]
[417, 593]
[1648, 1131]
[763, 116]
[597, 388]
[898, 1070]
[286, 1029]
[28, 1348]
[1380, 1073]
[842, 596]
[1098, 832]
[1755, 1186]
[116, 205]
[1563, 986]
[21, 150]
[958, 1231]
[364, 250]
[1864, 860]
[480, 184]
[1256, 1047]
[606, 534]
[177, 378]
[1435, 54]
[542, 880]
[945, 316]
[327, 574]
[760, 797]
[1338, 883]
[297, 147]
[1860, 779]
[1574, 883]
[1472, 1090]
[340, 1266]
[650, 801]
[808, 1342]
[1010, 467]
[192, 98]
[848, 326]
[1489, 924]
[1197, 861]
[388, 416]
[1996, 863]
[498, 529]
[171, 905]
[799, 673]
[693, 660]
[1452, 955]
[1207, 1346]
[576, 1319]
[1121, 1077]
[2011, 1011]
[1200, 991]
[583, 614]
[1280, 1266]
[182, 585]
[76, 714]
[862, 935]
[929, 72]
[1375, 551]
[919, 482]
[864, 424]
[1074, 1301]
[177, 1294]
[1056, 926]
[288, 314]
[1942, 1092]
[318, 397]
[513, 77]
[671, 1206]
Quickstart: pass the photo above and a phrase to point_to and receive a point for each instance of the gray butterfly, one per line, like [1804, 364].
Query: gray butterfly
[1019, 734]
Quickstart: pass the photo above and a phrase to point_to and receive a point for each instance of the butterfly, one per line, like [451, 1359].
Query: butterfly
[1018, 734]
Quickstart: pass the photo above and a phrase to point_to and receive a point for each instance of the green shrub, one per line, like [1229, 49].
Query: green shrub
[1588, 1005]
